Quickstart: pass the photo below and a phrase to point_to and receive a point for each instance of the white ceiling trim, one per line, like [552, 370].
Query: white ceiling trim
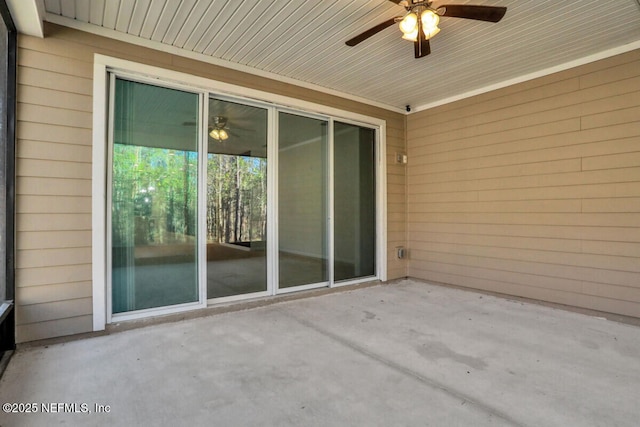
[151, 44]
[541, 73]
[27, 16]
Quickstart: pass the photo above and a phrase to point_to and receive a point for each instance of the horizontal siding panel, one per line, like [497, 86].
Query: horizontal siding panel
[575, 104]
[584, 219]
[397, 180]
[397, 236]
[620, 249]
[558, 296]
[461, 196]
[396, 273]
[41, 150]
[604, 262]
[54, 116]
[591, 140]
[538, 93]
[61, 48]
[54, 328]
[583, 274]
[628, 204]
[627, 189]
[396, 188]
[54, 63]
[54, 98]
[626, 308]
[52, 275]
[52, 133]
[397, 227]
[53, 169]
[536, 281]
[43, 312]
[609, 118]
[506, 136]
[396, 199]
[612, 161]
[606, 176]
[51, 80]
[509, 206]
[548, 244]
[34, 258]
[53, 204]
[53, 239]
[38, 186]
[614, 234]
[53, 222]
[547, 151]
[53, 293]
[618, 73]
[543, 168]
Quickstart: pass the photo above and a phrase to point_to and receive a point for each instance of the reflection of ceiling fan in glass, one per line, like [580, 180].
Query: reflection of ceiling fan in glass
[222, 128]
[217, 131]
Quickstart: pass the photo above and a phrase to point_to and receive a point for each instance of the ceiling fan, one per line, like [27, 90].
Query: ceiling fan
[420, 22]
[217, 129]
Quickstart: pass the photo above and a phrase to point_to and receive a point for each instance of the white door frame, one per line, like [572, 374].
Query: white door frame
[104, 65]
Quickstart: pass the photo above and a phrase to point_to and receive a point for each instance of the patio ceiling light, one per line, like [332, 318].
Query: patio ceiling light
[417, 18]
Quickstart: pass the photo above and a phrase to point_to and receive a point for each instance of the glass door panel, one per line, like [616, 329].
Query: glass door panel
[236, 199]
[354, 202]
[154, 197]
[302, 200]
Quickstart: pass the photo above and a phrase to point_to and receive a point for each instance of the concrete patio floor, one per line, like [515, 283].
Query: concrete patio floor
[405, 354]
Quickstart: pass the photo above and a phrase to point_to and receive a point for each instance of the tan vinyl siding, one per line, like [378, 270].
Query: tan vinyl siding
[533, 190]
[53, 276]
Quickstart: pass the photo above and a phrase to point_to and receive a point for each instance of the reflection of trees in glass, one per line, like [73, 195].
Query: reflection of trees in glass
[236, 198]
[154, 195]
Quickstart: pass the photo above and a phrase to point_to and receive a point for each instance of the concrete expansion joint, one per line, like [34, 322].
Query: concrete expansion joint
[423, 380]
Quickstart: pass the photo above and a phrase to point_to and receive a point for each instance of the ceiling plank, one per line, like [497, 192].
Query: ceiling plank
[203, 28]
[110, 15]
[179, 18]
[125, 13]
[138, 16]
[151, 18]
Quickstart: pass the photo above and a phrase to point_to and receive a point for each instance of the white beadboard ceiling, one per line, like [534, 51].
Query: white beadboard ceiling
[302, 41]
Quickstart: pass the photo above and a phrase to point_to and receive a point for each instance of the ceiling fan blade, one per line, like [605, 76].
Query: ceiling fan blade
[479, 13]
[371, 31]
[421, 46]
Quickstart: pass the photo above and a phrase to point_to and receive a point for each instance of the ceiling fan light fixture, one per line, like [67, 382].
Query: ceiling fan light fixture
[430, 21]
[409, 24]
[412, 36]
[215, 134]
[223, 135]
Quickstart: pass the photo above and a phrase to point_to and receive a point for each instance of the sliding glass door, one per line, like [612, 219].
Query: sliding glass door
[354, 202]
[192, 179]
[236, 199]
[303, 203]
[154, 197]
